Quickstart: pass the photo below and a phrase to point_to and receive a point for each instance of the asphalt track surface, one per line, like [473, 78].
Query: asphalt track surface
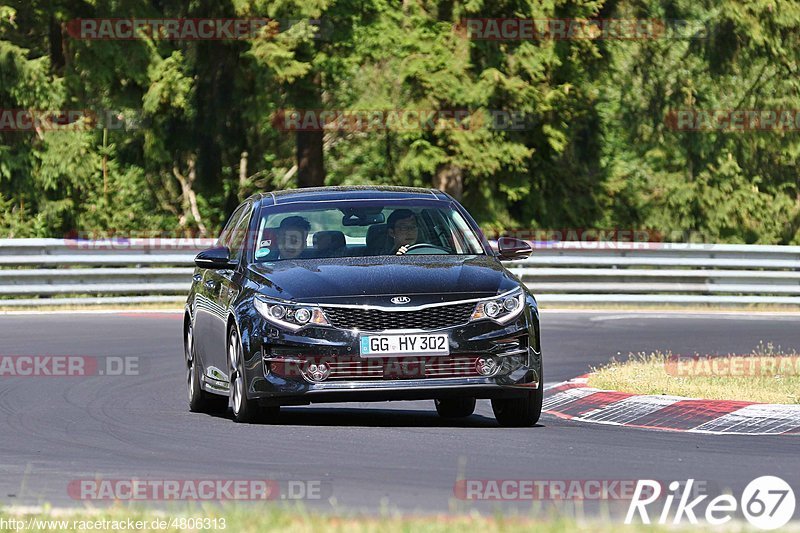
[397, 455]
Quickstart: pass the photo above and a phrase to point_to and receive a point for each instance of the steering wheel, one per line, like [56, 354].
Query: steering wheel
[420, 245]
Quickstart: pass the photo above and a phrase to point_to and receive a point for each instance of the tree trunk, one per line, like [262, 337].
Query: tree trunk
[310, 167]
[307, 96]
[242, 176]
[56, 38]
[188, 195]
[450, 179]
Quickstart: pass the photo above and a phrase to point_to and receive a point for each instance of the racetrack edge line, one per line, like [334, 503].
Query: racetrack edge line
[574, 401]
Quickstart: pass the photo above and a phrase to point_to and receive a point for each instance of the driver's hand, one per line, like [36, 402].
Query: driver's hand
[403, 249]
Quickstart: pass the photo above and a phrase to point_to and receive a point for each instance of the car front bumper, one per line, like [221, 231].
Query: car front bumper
[514, 344]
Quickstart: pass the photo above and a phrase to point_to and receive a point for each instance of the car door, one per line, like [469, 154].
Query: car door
[207, 341]
[223, 287]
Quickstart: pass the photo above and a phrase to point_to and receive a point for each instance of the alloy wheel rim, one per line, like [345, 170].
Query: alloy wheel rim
[237, 380]
[190, 362]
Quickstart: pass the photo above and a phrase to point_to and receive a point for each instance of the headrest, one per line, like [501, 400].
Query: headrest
[376, 236]
[329, 240]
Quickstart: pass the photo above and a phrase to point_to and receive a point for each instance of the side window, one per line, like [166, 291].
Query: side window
[225, 236]
[461, 232]
[239, 235]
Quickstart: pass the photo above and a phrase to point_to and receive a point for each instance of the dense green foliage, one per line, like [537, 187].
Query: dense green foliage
[597, 149]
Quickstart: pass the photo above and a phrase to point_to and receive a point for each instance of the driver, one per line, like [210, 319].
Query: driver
[292, 235]
[401, 227]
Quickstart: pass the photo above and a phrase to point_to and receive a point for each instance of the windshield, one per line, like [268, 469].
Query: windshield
[363, 229]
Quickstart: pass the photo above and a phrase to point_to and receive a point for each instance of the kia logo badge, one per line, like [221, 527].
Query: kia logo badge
[400, 300]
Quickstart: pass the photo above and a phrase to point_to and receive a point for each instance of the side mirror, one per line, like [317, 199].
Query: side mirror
[218, 258]
[510, 248]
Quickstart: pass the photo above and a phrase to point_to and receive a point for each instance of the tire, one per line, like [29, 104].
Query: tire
[200, 401]
[455, 407]
[520, 412]
[244, 410]
[269, 414]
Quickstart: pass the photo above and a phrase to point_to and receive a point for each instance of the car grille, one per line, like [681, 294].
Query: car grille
[439, 317]
[445, 367]
[394, 368]
[432, 367]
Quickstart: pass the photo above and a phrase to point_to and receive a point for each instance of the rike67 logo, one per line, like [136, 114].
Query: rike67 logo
[767, 502]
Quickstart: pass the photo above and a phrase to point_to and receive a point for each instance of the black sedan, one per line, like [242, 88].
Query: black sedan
[360, 294]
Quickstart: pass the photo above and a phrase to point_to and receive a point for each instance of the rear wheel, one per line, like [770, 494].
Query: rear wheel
[455, 407]
[200, 401]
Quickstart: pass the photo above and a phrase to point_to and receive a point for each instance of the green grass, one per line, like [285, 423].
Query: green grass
[272, 518]
[655, 373]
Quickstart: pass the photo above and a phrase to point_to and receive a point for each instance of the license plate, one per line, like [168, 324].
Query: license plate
[384, 345]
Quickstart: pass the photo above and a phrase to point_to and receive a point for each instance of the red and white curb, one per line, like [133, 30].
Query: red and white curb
[574, 400]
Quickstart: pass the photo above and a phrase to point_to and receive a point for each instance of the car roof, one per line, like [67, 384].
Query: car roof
[356, 192]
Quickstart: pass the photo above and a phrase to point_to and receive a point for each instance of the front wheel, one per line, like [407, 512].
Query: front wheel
[519, 412]
[244, 410]
[455, 407]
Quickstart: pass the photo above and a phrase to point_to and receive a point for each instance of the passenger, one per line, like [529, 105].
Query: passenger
[292, 236]
[401, 228]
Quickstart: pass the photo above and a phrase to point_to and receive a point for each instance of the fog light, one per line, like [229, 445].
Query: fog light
[302, 315]
[492, 309]
[486, 366]
[318, 371]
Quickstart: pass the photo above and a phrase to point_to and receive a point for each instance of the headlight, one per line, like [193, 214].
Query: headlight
[288, 315]
[277, 311]
[501, 308]
[492, 309]
[303, 315]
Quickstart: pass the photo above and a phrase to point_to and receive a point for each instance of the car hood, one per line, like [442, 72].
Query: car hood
[375, 280]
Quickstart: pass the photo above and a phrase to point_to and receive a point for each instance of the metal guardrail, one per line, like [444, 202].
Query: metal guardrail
[662, 273]
[57, 271]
